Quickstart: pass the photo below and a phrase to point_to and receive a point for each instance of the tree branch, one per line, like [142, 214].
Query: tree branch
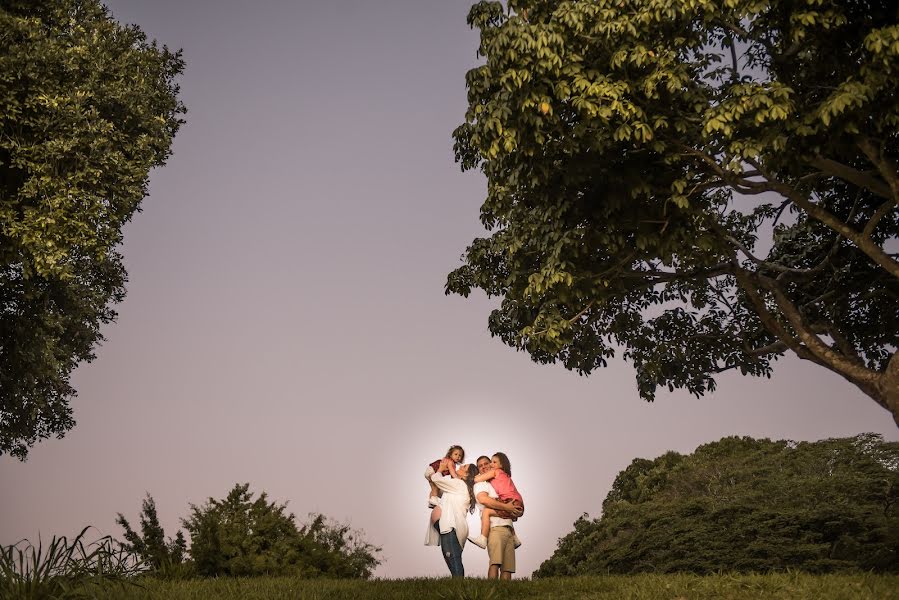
[735, 67]
[738, 181]
[764, 263]
[827, 356]
[885, 166]
[778, 347]
[749, 283]
[853, 176]
[582, 313]
[780, 211]
[723, 268]
[843, 344]
[865, 244]
[882, 211]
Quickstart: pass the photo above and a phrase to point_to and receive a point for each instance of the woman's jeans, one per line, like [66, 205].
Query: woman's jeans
[452, 551]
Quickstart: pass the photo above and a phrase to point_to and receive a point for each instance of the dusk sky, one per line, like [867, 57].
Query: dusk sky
[286, 323]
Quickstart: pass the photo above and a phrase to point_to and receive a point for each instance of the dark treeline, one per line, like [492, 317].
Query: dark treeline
[242, 536]
[742, 504]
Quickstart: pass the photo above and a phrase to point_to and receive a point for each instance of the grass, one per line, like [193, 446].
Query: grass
[64, 569]
[786, 586]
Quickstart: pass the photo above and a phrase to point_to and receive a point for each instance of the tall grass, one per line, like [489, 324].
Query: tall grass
[63, 569]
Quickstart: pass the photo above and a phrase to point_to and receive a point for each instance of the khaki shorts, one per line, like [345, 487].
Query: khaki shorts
[500, 548]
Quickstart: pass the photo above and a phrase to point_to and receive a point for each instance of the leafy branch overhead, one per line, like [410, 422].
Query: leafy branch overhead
[692, 182]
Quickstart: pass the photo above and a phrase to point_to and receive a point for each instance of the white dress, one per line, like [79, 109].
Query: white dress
[454, 505]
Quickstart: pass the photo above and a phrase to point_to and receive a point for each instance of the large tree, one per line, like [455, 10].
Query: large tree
[88, 107]
[741, 504]
[707, 184]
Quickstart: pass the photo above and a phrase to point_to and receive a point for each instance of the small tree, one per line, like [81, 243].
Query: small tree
[150, 545]
[691, 181]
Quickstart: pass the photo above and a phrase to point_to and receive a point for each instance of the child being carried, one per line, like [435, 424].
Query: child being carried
[455, 455]
[500, 477]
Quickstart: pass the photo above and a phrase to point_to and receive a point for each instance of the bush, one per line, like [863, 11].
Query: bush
[239, 536]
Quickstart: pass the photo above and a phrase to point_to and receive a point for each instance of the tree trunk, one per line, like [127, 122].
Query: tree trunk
[884, 389]
[889, 387]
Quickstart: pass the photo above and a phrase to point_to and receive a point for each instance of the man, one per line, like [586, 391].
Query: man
[500, 546]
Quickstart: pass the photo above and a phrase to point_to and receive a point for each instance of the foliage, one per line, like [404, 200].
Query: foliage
[338, 550]
[689, 180]
[150, 545]
[64, 569]
[781, 586]
[89, 107]
[741, 504]
[240, 536]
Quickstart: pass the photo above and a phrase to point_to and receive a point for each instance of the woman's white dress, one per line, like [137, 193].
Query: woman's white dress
[454, 505]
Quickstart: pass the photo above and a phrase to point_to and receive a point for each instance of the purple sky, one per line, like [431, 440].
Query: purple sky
[286, 325]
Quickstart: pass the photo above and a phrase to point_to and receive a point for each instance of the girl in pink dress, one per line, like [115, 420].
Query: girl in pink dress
[500, 477]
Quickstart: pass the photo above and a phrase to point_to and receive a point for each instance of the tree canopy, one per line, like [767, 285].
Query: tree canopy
[242, 536]
[89, 107]
[689, 181]
[741, 504]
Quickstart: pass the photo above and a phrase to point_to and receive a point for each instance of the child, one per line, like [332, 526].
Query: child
[455, 455]
[500, 477]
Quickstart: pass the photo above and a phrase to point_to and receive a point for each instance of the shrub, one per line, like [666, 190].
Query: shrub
[240, 536]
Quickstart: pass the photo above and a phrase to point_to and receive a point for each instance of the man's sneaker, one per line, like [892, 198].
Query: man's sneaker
[515, 541]
[479, 540]
[433, 501]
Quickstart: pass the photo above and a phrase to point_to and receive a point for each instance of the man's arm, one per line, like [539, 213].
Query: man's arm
[485, 499]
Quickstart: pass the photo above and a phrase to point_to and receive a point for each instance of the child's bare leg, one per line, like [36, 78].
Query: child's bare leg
[485, 520]
[434, 490]
[435, 515]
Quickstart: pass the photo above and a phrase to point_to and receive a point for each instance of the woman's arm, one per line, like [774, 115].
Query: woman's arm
[445, 483]
[485, 476]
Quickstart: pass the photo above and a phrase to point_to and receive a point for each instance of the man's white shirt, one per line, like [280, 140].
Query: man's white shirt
[484, 486]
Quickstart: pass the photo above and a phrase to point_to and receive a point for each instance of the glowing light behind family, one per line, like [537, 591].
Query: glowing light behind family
[286, 324]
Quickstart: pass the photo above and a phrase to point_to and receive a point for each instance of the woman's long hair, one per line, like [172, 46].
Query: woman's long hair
[504, 463]
[469, 481]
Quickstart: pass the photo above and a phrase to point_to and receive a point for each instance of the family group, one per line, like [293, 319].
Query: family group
[455, 490]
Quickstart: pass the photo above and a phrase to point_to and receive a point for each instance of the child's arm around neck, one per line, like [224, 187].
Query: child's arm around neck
[485, 476]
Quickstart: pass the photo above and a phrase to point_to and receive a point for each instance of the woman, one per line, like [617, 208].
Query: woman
[449, 525]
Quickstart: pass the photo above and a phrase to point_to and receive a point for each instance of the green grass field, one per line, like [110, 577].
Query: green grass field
[638, 587]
